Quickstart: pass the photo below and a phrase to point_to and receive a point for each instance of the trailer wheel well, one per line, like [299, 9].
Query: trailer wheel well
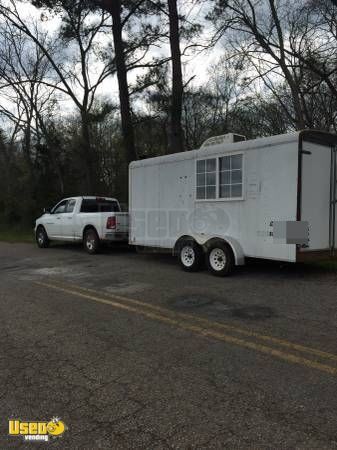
[205, 246]
[180, 241]
[215, 241]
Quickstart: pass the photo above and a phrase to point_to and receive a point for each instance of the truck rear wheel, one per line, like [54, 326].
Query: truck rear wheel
[219, 259]
[190, 255]
[91, 241]
[42, 238]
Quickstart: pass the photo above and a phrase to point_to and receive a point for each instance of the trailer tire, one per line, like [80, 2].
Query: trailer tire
[220, 259]
[91, 241]
[190, 255]
[41, 237]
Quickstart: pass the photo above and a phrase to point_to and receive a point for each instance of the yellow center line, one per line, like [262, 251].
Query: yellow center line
[231, 328]
[200, 331]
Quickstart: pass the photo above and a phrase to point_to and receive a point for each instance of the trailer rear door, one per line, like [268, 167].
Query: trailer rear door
[317, 179]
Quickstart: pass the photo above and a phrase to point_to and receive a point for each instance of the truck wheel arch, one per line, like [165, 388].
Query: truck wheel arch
[86, 228]
[91, 240]
[40, 226]
[41, 237]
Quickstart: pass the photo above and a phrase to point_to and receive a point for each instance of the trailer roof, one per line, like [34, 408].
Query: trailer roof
[318, 137]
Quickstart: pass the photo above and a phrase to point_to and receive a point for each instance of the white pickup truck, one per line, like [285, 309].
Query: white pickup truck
[91, 220]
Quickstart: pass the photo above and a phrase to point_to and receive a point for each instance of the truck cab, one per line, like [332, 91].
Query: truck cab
[91, 220]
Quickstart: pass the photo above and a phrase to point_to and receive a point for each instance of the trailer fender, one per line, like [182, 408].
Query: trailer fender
[233, 243]
[204, 241]
[177, 245]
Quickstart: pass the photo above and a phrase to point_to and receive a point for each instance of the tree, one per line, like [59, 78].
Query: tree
[260, 29]
[26, 99]
[176, 140]
[115, 9]
[124, 16]
[27, 103]
[80, 29]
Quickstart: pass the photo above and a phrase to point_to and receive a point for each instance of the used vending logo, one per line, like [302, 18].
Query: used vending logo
[37, 431]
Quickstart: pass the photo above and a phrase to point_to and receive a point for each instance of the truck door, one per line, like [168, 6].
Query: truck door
[67, 225]
[53, 222]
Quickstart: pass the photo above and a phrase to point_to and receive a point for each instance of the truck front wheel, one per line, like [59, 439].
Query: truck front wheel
[42, 238]
[190, 255]
[91, 241]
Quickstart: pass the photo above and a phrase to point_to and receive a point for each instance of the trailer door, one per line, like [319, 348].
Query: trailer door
[316, 194]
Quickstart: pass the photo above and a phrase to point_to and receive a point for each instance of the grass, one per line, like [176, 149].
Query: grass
[26, 235]
[330, 265]
[16, 235]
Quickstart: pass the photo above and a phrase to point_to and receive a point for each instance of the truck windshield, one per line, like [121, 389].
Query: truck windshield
[99, 205]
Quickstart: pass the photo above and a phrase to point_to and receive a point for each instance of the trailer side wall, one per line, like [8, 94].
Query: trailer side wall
[163, 204]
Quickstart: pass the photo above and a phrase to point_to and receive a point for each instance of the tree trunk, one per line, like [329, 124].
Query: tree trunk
[52, 150]
[114, 8]
[90, 159]
[295, 93]
[176, 140]
[27, 142]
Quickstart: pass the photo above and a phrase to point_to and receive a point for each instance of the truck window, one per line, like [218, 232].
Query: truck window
[60, 208]
[70, 206]
[95, 206]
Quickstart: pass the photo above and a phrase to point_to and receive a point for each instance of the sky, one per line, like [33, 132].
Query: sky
[193, 64]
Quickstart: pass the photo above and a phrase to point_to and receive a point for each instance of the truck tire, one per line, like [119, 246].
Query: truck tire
[91, 241]
[190, 255]
[219, 259]
[41, 237]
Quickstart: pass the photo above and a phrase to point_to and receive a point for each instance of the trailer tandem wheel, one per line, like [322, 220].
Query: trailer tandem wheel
[190, 255]
[219, 258]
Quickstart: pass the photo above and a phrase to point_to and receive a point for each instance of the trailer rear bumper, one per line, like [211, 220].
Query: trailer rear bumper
[315, 255]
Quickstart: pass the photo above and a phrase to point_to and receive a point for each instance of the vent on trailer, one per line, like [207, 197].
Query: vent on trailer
[229, 138]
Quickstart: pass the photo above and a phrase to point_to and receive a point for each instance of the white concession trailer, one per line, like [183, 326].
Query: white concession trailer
[272, 198]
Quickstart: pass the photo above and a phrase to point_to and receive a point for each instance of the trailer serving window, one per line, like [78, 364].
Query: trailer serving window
[230, 176]
[220, 178]
[206, 179]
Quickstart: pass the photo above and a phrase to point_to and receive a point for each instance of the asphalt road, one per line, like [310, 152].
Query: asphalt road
[131, 352]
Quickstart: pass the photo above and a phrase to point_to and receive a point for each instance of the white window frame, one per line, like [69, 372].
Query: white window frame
[217, 192]
[216, 179]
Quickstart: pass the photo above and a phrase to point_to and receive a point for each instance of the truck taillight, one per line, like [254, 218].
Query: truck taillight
[111, 223]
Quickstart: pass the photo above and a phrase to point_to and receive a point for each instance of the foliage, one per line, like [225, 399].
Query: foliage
[273, 70]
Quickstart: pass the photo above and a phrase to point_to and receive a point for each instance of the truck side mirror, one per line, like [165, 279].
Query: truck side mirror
[46, 211]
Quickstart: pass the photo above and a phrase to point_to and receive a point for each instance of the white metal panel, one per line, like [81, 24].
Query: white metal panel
[144, 202]
[266, 142]
[316, 194]
[166, 185]
[277, 173]
[176, 199]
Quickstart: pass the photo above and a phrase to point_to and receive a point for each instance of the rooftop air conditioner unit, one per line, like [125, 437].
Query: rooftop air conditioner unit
[229, 138]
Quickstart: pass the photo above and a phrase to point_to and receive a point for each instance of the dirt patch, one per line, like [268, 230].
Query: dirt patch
[190, 301]
[255, 312]
[220, 307]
